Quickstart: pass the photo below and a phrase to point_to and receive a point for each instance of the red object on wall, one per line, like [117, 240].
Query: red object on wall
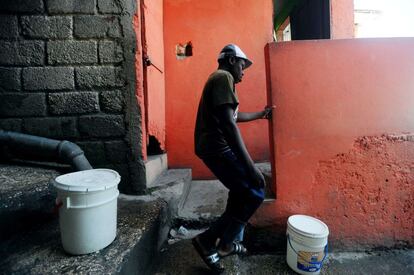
[344, 138]
[210, 25]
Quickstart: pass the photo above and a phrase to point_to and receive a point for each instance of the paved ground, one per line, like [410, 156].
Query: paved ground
[181, 258]
[206, 201]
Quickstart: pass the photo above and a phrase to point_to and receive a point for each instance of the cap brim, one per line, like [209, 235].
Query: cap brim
[248, 63]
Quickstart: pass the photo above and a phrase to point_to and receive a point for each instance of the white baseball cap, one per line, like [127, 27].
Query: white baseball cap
[234, 50]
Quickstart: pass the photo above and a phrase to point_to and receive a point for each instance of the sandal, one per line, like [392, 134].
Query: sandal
[211, 260]
[238, 249]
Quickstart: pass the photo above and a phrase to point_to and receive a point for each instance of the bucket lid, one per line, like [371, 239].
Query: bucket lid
[308, 226]
[88, 180]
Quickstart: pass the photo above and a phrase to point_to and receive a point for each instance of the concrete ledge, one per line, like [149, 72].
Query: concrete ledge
[205, 202]
[26, 198]
[40, 251]
[173, 188]
[154, 167]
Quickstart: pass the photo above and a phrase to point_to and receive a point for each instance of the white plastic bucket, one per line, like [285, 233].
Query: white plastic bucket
[88, 209]
[307, 244]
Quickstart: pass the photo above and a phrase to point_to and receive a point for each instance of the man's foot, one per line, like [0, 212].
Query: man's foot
[235, 248]
[209, 256]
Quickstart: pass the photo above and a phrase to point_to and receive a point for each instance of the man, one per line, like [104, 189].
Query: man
[219, 144]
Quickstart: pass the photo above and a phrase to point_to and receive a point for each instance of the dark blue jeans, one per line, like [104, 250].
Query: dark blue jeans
[243, 199]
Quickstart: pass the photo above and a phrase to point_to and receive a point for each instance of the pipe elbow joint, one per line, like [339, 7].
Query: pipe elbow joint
[73, 154]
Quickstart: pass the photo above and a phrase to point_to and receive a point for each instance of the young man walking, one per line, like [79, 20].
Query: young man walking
[219, 144]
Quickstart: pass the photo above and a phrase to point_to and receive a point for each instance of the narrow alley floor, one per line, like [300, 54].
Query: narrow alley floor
[207, 199]
[181, 258]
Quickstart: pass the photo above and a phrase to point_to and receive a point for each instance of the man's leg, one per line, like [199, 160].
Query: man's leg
[242, 202]
[241, 210]
[240, 236]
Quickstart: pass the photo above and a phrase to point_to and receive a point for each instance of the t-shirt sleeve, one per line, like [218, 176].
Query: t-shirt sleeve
[223, 91]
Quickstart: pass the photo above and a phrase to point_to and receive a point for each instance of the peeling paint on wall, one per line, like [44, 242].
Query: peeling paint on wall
[369, 191]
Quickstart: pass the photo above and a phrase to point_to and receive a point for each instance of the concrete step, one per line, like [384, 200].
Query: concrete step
[205, 202]
[27, 202]
[172, 187]
[26, 197]
[206, 199]
[132, 252]
[270, 188]
[155, 166]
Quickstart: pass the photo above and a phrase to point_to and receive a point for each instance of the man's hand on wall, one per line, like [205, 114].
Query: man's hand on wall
[267, 112]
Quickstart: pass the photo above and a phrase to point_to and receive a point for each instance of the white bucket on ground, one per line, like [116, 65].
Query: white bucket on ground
[88, 209]
[307, 244]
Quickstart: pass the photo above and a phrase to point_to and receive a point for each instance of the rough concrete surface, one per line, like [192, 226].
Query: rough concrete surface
[26, 197]
[17, 182]
[369, 191]
[181, 258]
[40, 251]
[205, 201]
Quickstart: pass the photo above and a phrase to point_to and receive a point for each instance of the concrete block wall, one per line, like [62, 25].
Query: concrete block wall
[67, 72]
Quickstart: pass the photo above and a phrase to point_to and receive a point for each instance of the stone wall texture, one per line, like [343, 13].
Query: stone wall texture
[67, 72]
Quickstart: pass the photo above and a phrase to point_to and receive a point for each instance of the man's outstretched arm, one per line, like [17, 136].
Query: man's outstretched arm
[245, 116]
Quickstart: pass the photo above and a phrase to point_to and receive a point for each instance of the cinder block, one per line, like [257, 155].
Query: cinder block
[110, 52]
[22, 104]
[73, 103]
[102, 126]
[94, 152]
[112, 101]
[23, 53]
[89, 26]
[46, 26]
[72, 52]
[22, 6]
[116, 151]
[9, 27]
[99, 77]
[71, 6]
[48, 78]
[114, 6]
[11, 124]
[51, 127]
[10, 78]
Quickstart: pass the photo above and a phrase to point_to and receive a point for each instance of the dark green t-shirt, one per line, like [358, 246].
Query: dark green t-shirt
[208, 136]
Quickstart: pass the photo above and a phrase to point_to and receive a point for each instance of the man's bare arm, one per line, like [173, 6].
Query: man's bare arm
[245, 116]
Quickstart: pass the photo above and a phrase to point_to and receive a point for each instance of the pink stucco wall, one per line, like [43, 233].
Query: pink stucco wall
[210, 25]
[342, 19]
[155, 83]
[343, 135]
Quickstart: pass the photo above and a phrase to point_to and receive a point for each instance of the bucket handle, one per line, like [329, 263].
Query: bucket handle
[91, 205]
[321, 262]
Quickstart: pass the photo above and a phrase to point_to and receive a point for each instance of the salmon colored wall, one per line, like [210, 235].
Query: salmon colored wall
[210, 25]
[342, 19]
[154, 48]
[344, 138]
